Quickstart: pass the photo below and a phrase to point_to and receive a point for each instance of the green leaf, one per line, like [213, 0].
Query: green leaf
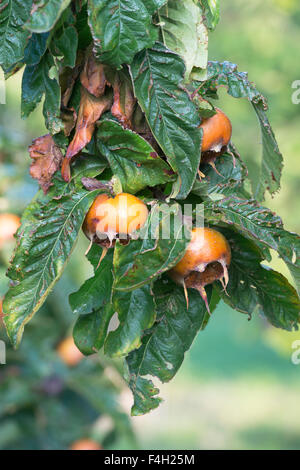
[172, 116]
[229, 179]
[237, 84]
[45, 14]
[65, 45]
[36, 83]
[93, 303]
[184, 32]
[162, 243]
[131, 157]
[259, 224]
[46, 238]
[90, 330]
[120, 29]
[13, 37]
[254, 288]
[211, 9]
[136, 313]
[164, 346]
[153, 5]
[36, 48]
[94, 292]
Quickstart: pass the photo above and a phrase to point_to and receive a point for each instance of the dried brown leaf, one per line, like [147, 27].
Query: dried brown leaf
[90, 110]
[124, 102]
[68, 117]
[93, 77]
[47, 157]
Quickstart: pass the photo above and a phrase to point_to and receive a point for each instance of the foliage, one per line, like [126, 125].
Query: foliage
[125, 101]
[43, 403]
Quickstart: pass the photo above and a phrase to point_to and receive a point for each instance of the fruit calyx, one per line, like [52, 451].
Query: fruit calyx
[206, 260]
[111, 218]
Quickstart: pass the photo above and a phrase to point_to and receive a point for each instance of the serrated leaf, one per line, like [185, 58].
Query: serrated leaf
[237, 84]
[46, 160]
[45, 14]
[46, 238]
[261, 225]
[65, 45]
[163, 348]
[37, 83]
[254, 288]
[13, 37]
[184, 32]
[172, 116]
[227, 180]
[162, 243]
[136, 313]
[120, 29]
[131, 158]
[94, 292]
[36, 48]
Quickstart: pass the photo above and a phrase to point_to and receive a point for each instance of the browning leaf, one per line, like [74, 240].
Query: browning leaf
[93, 77]
[68, 117]
[68, 78]
[124, 102]
[47, 158]
[90, 110]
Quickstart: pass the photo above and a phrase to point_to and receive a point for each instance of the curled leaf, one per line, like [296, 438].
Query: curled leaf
[90, 110]
[93, 77]
[124, 102]
[47, 157]
[68, 117]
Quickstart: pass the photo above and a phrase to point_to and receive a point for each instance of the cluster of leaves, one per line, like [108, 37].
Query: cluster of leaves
[43, 403]
[125, 86]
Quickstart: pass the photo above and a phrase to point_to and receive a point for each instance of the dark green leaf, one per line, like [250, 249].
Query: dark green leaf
[94, 292]
[45, 14]
[36, 48]
[13, 37]
[163, 348]
[120, 29]
[65, 45]
[261, 225]
[136, 313]
[226, 74]
[39, 80]
[163, 242]
[131, 158]
[90, 330]
[229, 179]
[46, 239]
[172, 116]
[253, 288]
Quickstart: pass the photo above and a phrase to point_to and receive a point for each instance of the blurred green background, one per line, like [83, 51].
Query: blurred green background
[238, 388]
